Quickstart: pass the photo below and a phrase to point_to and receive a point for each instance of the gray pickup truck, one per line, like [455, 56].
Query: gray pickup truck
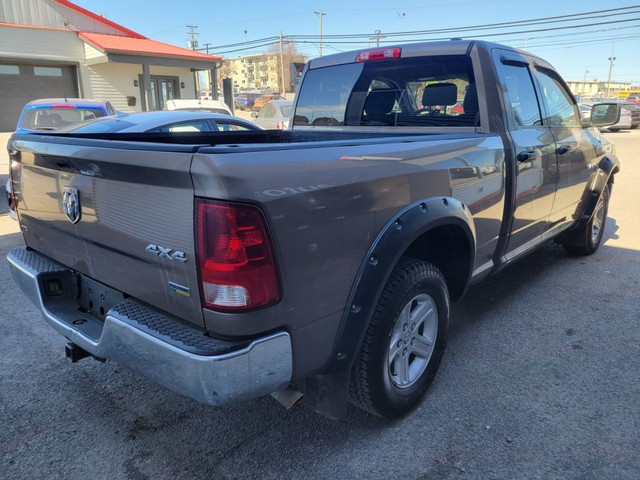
[320, 262]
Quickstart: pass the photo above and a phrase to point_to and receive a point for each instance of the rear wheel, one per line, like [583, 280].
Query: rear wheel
[404, 343]
[589, 237]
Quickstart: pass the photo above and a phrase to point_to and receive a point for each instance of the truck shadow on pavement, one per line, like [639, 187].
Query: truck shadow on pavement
[140, 430]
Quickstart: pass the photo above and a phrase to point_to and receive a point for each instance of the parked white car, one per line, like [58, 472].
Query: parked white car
[194, 105]
[274, 115]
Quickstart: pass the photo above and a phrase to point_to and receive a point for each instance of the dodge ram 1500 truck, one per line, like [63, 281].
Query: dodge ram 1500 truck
[316, 263]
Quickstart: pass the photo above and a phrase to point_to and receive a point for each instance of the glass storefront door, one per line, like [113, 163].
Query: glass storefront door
[161, 89]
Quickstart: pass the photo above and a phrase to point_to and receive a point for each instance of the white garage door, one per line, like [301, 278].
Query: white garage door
[21, 83]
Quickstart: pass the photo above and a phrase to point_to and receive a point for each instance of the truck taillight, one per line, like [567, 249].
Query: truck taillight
[235, 257]
[379, 54]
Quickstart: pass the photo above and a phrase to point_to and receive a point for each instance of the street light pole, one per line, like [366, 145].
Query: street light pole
[320, 14]
[401, 16]
[611, 60]
[584, 82]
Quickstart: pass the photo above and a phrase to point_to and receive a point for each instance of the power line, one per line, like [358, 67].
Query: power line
[427, 35]
[498, 34]
[502, 25]
[491, 26]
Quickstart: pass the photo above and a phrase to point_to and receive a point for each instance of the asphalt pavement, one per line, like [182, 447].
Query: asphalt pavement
[540, 380]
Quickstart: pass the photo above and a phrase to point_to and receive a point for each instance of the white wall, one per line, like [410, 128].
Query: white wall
[39, 44]
[112, 82]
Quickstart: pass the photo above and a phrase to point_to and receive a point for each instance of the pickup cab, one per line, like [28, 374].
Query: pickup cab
[319, 262]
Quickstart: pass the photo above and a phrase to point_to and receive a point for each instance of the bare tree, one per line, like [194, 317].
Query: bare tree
[290, 56]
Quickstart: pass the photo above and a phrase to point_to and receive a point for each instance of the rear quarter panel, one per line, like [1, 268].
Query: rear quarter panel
[325, 206]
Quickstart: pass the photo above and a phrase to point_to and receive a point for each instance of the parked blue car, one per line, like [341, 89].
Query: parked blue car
[244, 101]
[52, 113]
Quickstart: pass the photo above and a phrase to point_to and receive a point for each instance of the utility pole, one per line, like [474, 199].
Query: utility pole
[193, 43]
[282, 64]
[206, 46]
[320, 14]
[377, 37]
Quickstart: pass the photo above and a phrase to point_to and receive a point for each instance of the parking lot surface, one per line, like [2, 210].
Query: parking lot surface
[541, 380]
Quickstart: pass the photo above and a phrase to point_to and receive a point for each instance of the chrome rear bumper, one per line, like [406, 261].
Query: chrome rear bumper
[176, 355]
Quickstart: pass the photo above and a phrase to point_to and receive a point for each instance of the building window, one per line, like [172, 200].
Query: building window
[47, 71]
[9, 70]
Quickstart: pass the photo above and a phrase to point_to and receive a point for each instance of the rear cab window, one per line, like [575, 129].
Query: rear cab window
[410, 92]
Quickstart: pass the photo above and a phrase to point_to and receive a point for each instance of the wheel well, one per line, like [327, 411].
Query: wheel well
[447, 247]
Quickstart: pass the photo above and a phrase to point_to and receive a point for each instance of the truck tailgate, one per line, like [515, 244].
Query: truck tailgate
[114, 212]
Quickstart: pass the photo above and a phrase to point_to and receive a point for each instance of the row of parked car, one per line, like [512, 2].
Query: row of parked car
[66, 115]
[210, 115]
[254, 101]
[629, 111]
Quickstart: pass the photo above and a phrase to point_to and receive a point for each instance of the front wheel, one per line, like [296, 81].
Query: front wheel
[589, 237]
[404, 343]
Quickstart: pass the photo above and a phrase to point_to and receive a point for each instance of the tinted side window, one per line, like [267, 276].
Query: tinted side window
[188, 126]
[522, 95]
[560, 107]
[231, 127]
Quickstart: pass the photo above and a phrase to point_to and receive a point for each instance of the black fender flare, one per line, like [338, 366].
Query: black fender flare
[606, 168]
[382, 257]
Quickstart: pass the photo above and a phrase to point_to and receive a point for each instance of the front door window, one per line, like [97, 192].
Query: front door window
[161, 90]
[153, 96]
[166, 91]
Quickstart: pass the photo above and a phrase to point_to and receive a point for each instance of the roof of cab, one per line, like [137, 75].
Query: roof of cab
[454, 46]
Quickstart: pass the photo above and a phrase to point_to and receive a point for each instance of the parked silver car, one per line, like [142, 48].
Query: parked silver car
[274, 115]
[624, 123]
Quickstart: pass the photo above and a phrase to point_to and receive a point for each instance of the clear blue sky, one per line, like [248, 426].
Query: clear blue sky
[573, 51]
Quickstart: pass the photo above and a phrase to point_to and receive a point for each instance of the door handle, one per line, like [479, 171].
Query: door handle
[526, 156]
[564, 149]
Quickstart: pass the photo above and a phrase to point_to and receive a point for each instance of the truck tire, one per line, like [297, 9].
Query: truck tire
[590, 236]
[404, 343]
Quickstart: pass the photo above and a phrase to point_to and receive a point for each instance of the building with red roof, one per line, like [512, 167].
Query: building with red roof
[55, 48]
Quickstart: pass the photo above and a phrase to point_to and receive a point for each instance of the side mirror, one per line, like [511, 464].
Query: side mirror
[254, 114]
[605, 114]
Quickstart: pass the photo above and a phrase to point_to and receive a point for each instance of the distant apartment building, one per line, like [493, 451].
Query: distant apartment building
[262, 72]
[596, 88]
